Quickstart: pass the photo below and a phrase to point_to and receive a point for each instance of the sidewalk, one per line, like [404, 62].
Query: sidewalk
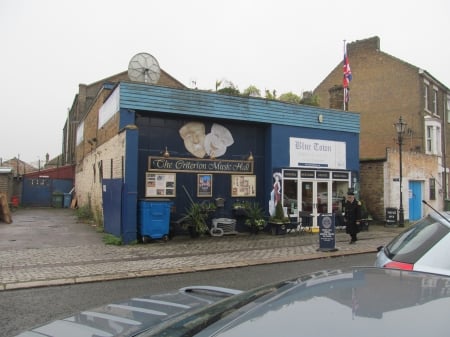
[44, 247]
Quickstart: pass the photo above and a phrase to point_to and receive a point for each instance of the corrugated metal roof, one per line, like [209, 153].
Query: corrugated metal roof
[141, 96]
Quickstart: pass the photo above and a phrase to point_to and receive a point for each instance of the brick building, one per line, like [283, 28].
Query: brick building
[385, 88]
[86, 96]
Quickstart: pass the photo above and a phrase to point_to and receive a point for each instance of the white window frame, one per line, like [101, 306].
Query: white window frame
[435, 100]
[426, 86]
[433, 137]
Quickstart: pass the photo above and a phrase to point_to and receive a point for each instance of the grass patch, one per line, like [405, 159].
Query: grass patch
[84, 213]
[110, 239]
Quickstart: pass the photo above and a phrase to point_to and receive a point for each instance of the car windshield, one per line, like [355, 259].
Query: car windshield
[410, 245]
[192, 322]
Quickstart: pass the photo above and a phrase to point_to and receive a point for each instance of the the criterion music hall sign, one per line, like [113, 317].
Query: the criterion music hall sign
[200, 165]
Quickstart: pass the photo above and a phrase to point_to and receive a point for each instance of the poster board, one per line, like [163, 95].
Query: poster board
[243, 185]
[160, 184]
[204, 185]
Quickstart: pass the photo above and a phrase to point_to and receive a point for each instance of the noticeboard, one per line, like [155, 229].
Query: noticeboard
[160, 184]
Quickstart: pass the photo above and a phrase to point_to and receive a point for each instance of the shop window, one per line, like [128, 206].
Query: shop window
[290, 196]
[339, 191]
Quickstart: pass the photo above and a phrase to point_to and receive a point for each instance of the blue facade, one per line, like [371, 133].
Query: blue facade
[258, 126]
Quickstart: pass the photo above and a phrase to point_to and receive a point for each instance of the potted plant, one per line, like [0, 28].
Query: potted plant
[195, 219]
[255, 217]
[278, 221]
[240, 209]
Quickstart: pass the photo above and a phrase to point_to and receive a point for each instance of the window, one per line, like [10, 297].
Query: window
[426, 95]
[80, 133]
[432, 137]
[432, 189]
[435, 101]
[447, 108]
[429, 139]
[438, 140]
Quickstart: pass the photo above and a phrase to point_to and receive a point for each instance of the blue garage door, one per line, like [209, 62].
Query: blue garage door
[37, 192]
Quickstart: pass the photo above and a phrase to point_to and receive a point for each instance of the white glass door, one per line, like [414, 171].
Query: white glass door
[315, 198]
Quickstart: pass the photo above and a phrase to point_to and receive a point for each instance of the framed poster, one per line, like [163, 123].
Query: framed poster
[160, 184]
[204, 185]
[243, 186]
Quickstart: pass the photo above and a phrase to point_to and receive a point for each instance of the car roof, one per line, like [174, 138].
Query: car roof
[365, 302]
[362, 301]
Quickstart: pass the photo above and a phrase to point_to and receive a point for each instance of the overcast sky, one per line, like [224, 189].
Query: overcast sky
[48, 47]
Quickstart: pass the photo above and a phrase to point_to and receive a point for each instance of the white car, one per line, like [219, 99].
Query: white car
[425, 246]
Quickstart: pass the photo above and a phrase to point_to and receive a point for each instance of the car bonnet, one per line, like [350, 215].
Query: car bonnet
[127, 318]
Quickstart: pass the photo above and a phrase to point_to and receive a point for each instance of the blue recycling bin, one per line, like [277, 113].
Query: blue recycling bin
[67, 200]
[154, 219]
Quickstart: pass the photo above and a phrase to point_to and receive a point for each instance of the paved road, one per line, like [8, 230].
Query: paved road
[44, 247]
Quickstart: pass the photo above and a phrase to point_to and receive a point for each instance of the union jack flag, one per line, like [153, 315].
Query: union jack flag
[347, 71]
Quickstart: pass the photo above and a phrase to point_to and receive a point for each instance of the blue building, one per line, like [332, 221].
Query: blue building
[146, 142]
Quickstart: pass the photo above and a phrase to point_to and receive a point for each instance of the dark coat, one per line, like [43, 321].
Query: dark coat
[352, 215]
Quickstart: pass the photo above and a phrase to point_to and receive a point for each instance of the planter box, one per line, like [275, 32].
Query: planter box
[278, 228]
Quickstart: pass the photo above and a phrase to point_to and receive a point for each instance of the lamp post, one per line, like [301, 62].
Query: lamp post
[400, 126]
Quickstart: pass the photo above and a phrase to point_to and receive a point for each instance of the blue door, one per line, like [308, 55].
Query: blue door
[415, 200]
[112, 209]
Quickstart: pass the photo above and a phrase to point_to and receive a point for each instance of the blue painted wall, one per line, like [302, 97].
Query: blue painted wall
[156, 132]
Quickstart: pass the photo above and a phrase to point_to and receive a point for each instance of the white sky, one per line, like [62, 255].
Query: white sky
[48, 47]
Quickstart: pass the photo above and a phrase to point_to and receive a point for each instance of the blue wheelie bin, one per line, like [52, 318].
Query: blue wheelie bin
[154, 219]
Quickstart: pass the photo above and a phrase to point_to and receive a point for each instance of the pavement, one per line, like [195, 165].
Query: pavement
[50, 246]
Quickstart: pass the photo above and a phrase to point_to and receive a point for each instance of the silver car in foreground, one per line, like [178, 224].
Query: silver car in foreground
[425, 246]
[366, 301]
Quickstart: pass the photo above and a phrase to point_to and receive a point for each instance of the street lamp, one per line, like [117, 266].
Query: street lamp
[400, 126]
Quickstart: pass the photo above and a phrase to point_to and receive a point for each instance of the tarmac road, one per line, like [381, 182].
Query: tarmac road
[48, 246]
[34, 228]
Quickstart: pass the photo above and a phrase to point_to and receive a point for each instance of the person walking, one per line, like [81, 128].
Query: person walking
[352, 216]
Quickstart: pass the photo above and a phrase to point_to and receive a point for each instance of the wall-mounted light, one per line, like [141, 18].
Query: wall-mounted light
[166, 153]
[320, 118]
[250, 157]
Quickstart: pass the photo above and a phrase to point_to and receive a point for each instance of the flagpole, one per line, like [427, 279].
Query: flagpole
[345, 89]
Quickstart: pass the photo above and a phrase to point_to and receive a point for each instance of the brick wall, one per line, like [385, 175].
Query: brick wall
[383, 89]
[105, 159]
[372, 187]
[86, 96]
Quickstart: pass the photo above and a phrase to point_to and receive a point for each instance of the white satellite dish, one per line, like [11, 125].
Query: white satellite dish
[143, 67]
